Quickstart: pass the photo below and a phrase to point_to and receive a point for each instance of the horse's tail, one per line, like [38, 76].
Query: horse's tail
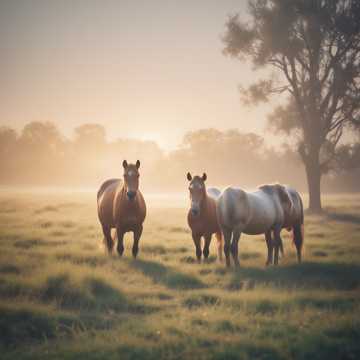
[281, 247]
[220, 245]
[298, 231]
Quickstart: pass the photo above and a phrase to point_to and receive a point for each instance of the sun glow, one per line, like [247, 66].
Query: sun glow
[156, 137]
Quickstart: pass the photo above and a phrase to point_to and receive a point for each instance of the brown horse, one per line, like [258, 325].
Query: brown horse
[122, 206]
[202, 217]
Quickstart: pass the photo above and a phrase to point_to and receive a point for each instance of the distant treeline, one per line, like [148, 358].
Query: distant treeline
[41, 156]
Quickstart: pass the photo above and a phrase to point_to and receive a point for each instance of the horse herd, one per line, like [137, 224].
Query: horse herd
[226, 214]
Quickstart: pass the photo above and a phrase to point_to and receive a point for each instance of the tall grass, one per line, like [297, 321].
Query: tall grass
[62, 296]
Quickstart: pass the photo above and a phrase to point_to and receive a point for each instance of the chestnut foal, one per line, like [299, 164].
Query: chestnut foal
[202, 217]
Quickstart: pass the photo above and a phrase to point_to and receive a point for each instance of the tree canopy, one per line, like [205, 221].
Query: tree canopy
[312, 48]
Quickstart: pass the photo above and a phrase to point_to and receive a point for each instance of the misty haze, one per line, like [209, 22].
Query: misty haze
[180, 180]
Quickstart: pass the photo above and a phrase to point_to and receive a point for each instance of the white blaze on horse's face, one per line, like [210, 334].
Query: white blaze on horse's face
[197, 191]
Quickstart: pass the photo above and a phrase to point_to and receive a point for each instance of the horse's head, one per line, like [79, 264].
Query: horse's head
[197, 190]
[131, 179]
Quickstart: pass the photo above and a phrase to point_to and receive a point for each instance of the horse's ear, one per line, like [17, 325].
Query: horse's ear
[137, 164]
[189, 177]
[204, 177]
[125, 164]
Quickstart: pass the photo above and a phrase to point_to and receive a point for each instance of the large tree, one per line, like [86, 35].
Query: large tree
[312, 48]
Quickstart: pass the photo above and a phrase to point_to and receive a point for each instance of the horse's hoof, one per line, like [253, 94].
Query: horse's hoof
[206, 260]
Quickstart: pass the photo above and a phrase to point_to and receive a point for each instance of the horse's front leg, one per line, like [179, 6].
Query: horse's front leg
[108, 239]
[120, 244]
[197, 243]
[206, 250]
[270, 248]
[235, 247]
[227, 241]
[277, 243]
[137, 235]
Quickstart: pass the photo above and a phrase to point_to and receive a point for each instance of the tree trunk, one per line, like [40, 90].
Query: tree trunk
[313, 175]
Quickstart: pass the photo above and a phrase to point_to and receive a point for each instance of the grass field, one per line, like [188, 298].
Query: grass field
[63, 297]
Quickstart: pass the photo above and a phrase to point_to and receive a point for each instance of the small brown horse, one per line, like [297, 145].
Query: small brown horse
[122, 206]
[202, 217]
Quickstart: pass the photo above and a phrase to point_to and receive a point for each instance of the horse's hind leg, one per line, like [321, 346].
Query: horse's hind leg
[227, 242]
[298, 240]
[270, 248]
[235, 247]
[277, 243]
[109, 243]
[219, 245]
[207, 242]
[137, 236]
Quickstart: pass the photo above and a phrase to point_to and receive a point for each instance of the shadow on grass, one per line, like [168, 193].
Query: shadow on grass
[162, 250]
[343, 217]
[306, 275]
[249, 255]
[336, 342]
[154, 249]
[167, 276]
[201, 300]
[319, 253]
[19, 326]
[246, 351]
[9, 269]
[93, 294]
[90, 260]
[11, 288]
[27, 244]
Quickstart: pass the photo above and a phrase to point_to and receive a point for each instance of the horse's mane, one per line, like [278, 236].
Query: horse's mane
[269, 188]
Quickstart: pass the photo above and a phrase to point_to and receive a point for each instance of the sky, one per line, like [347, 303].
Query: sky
[151, 70]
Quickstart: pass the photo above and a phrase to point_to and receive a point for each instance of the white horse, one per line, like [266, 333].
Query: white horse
[253, 213]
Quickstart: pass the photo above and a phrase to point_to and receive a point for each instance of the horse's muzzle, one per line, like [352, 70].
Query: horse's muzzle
[195, 212]
[131, 195]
